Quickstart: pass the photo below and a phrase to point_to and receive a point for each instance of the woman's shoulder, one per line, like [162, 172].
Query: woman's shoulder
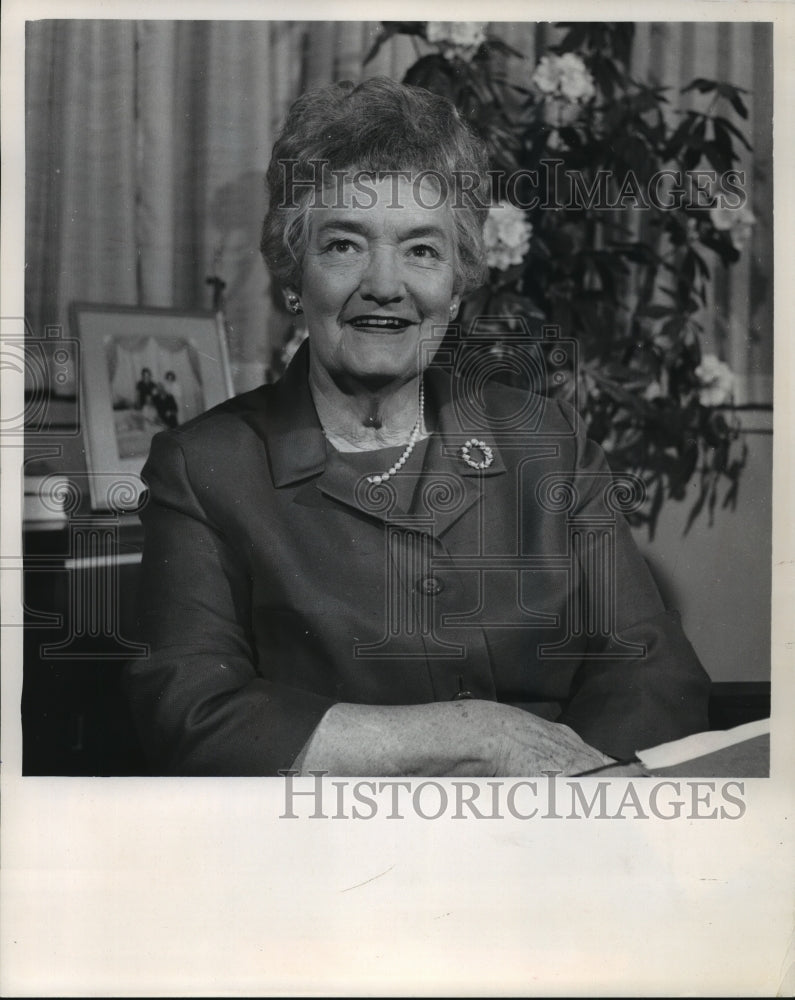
[235, 412]
[510, 408]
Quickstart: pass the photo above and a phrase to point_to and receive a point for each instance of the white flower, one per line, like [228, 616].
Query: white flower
[738, 222]
[457, 38]
[564, 76]
[507, 235]
[742, 231]
[721, 217]
[547, 75]
[576, 83]
[717, 381]
[653, 391]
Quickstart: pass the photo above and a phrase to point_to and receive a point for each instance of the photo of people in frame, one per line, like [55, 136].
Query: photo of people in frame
[155, 384]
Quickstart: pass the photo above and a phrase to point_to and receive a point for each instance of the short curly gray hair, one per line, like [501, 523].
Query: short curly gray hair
[378, 126]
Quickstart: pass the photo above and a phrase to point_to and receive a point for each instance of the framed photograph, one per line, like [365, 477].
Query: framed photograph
[143, 370]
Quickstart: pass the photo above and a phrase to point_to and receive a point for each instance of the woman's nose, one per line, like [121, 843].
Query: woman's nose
[382, 281]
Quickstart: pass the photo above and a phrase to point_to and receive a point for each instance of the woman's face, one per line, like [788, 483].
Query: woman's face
[377, 278]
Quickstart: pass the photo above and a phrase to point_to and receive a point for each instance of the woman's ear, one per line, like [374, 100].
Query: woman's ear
[292, 300]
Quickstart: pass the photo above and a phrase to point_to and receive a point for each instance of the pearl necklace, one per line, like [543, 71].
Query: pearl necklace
[415, 433]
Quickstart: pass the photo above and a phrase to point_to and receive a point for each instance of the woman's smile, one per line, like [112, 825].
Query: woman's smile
[380, 324]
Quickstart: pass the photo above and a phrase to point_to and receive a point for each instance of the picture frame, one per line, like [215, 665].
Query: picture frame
[143, 370]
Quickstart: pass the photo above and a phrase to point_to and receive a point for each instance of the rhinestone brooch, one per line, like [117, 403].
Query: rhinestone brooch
[483, 448]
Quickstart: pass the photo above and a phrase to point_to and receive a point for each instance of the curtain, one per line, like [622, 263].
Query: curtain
[147, 144]
[738, 318]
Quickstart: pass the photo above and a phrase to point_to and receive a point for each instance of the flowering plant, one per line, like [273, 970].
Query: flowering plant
[507, 235]
[716, 381]
[576, 149]
[456, 39]
[565, 77]
[737, 222]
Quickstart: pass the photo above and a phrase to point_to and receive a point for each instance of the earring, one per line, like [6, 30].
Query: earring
[295, 305]
[453, 310]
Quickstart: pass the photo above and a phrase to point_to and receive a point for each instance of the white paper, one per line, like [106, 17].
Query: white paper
[699, 744]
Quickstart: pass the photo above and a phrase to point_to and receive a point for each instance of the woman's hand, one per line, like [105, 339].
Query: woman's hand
[471, 738]
[522, 744]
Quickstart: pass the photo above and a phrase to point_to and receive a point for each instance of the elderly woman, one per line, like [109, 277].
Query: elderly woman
[343, 571]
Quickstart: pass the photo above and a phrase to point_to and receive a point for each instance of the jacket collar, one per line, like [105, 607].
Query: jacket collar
[296, 445]
[297, 448]
[291, 428]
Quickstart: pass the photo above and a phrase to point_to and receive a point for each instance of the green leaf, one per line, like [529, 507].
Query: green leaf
[701, 84]
[391, 28]
[654, 311]
[384, 35]
[498, 45]
[696, 509]
[638, 253]
[731, 127]
[739, 106]
[718, 154]
[673, 327]
[730, 500]
[576, 36]
[677, 139]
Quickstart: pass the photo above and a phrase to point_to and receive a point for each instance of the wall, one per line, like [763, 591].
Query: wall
[719, 576]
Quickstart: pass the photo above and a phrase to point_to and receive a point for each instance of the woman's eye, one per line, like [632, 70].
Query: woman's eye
[423, 250]
[341, 246]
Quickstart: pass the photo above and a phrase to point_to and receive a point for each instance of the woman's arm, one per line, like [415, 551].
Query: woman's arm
[643, 684]
[200, 705]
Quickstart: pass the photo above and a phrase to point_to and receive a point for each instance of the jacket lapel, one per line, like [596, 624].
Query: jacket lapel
[297, 452]
[451, 486]
[290, 426]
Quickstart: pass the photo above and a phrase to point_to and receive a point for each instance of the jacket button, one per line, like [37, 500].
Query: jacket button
[430, 585]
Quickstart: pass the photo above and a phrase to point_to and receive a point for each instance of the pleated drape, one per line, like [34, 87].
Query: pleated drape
[81, 166]
[738, 318]
[204, 136]
[147, 144]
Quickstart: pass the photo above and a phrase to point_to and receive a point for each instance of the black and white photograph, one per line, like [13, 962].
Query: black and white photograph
[150, 403]
[142, 371]
[389, 417]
